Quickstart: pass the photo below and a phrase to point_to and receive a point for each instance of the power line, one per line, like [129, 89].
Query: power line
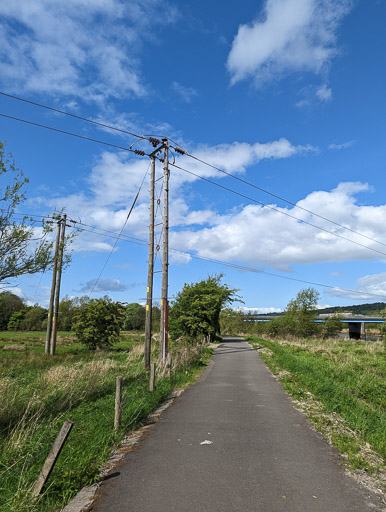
[138, 241]
[74, 115]
[246, 182]
[146, 137]
[123, 227]
[276, 210]
[142, 153]
[74, 134]
[236, 266]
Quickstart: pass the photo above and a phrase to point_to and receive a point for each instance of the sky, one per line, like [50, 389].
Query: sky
[287, 95]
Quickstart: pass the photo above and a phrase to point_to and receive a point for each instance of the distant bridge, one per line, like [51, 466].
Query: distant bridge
[356, 323]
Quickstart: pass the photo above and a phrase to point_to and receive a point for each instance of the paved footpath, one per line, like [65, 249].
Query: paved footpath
[233, 442]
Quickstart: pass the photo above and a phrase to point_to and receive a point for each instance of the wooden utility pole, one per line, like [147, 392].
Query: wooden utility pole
[165, 257]
[149, 295]
[53, 283]
[57, 287]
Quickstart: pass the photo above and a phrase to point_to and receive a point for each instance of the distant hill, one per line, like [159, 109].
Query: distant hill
[360, 309]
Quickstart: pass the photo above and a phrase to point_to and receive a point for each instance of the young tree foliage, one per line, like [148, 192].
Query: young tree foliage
[134, 317]
[99, 322]
[196, 310]
[301, 313]
[23, 250]
[9, 303]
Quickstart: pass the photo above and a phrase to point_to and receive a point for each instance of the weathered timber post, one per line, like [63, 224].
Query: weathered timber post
[52, 457]
[118, 403]
[152, 377]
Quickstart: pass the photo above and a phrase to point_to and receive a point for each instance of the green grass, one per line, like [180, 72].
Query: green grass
[346, 377]
[39, 392]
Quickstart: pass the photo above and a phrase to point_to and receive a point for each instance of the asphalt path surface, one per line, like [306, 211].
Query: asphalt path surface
[233, 442]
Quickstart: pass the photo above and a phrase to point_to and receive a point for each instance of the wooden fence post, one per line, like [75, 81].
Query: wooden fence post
[118, 403]
[170, 362]
[52, 457]
[152, 377]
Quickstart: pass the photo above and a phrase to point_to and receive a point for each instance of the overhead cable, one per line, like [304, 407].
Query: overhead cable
[142, 153]
[74, 115]
[295, 205]
[277, 210]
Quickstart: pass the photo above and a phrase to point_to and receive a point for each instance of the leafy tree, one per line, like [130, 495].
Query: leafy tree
[156, 316]
[301, 313]
[16, 320]
[196, 309]
[231, 321]
[35, 319]
[9, 303]
[68, 309]
[331, 326]
[99, 322]
[135, 317]
[22, 251]
[383, 313]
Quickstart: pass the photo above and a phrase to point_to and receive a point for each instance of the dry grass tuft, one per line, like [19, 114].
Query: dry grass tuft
[15, 346]
[65, 378]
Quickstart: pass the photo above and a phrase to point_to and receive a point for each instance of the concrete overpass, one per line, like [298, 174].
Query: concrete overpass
[356, 323]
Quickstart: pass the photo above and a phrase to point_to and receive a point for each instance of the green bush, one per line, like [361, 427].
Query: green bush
[196, 310]
[99, 323]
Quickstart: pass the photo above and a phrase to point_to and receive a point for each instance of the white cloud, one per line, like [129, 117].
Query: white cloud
[290, 36]
[259, 310]
[368, 288]
[30, 299]
[258, 235]
[82, 48]
[345, 145]
[312, 95]
[324, 93]
[115, 178]
[105, 285]
[185, 93]
[323, 306]
[179, 257]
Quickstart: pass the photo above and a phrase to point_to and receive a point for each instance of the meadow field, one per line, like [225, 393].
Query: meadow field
[38, 392]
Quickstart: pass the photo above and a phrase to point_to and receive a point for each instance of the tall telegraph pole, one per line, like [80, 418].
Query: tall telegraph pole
[51, 306]
[57, 287]
[149, 295]
[165, 257]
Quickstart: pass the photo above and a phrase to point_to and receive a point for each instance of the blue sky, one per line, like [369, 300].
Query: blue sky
[287, 94]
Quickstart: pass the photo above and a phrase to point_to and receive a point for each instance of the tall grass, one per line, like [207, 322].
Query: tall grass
[39, 392]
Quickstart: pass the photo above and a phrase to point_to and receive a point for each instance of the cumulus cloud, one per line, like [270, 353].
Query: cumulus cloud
[106, 285]
[261, 236]
[179, 257]
[64, 48]
[368, 287]
[289, 36]
[259, 310]
[115, 178]
[38, 294]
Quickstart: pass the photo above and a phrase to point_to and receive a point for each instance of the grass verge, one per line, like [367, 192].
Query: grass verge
[39, 393]
[341, 387]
